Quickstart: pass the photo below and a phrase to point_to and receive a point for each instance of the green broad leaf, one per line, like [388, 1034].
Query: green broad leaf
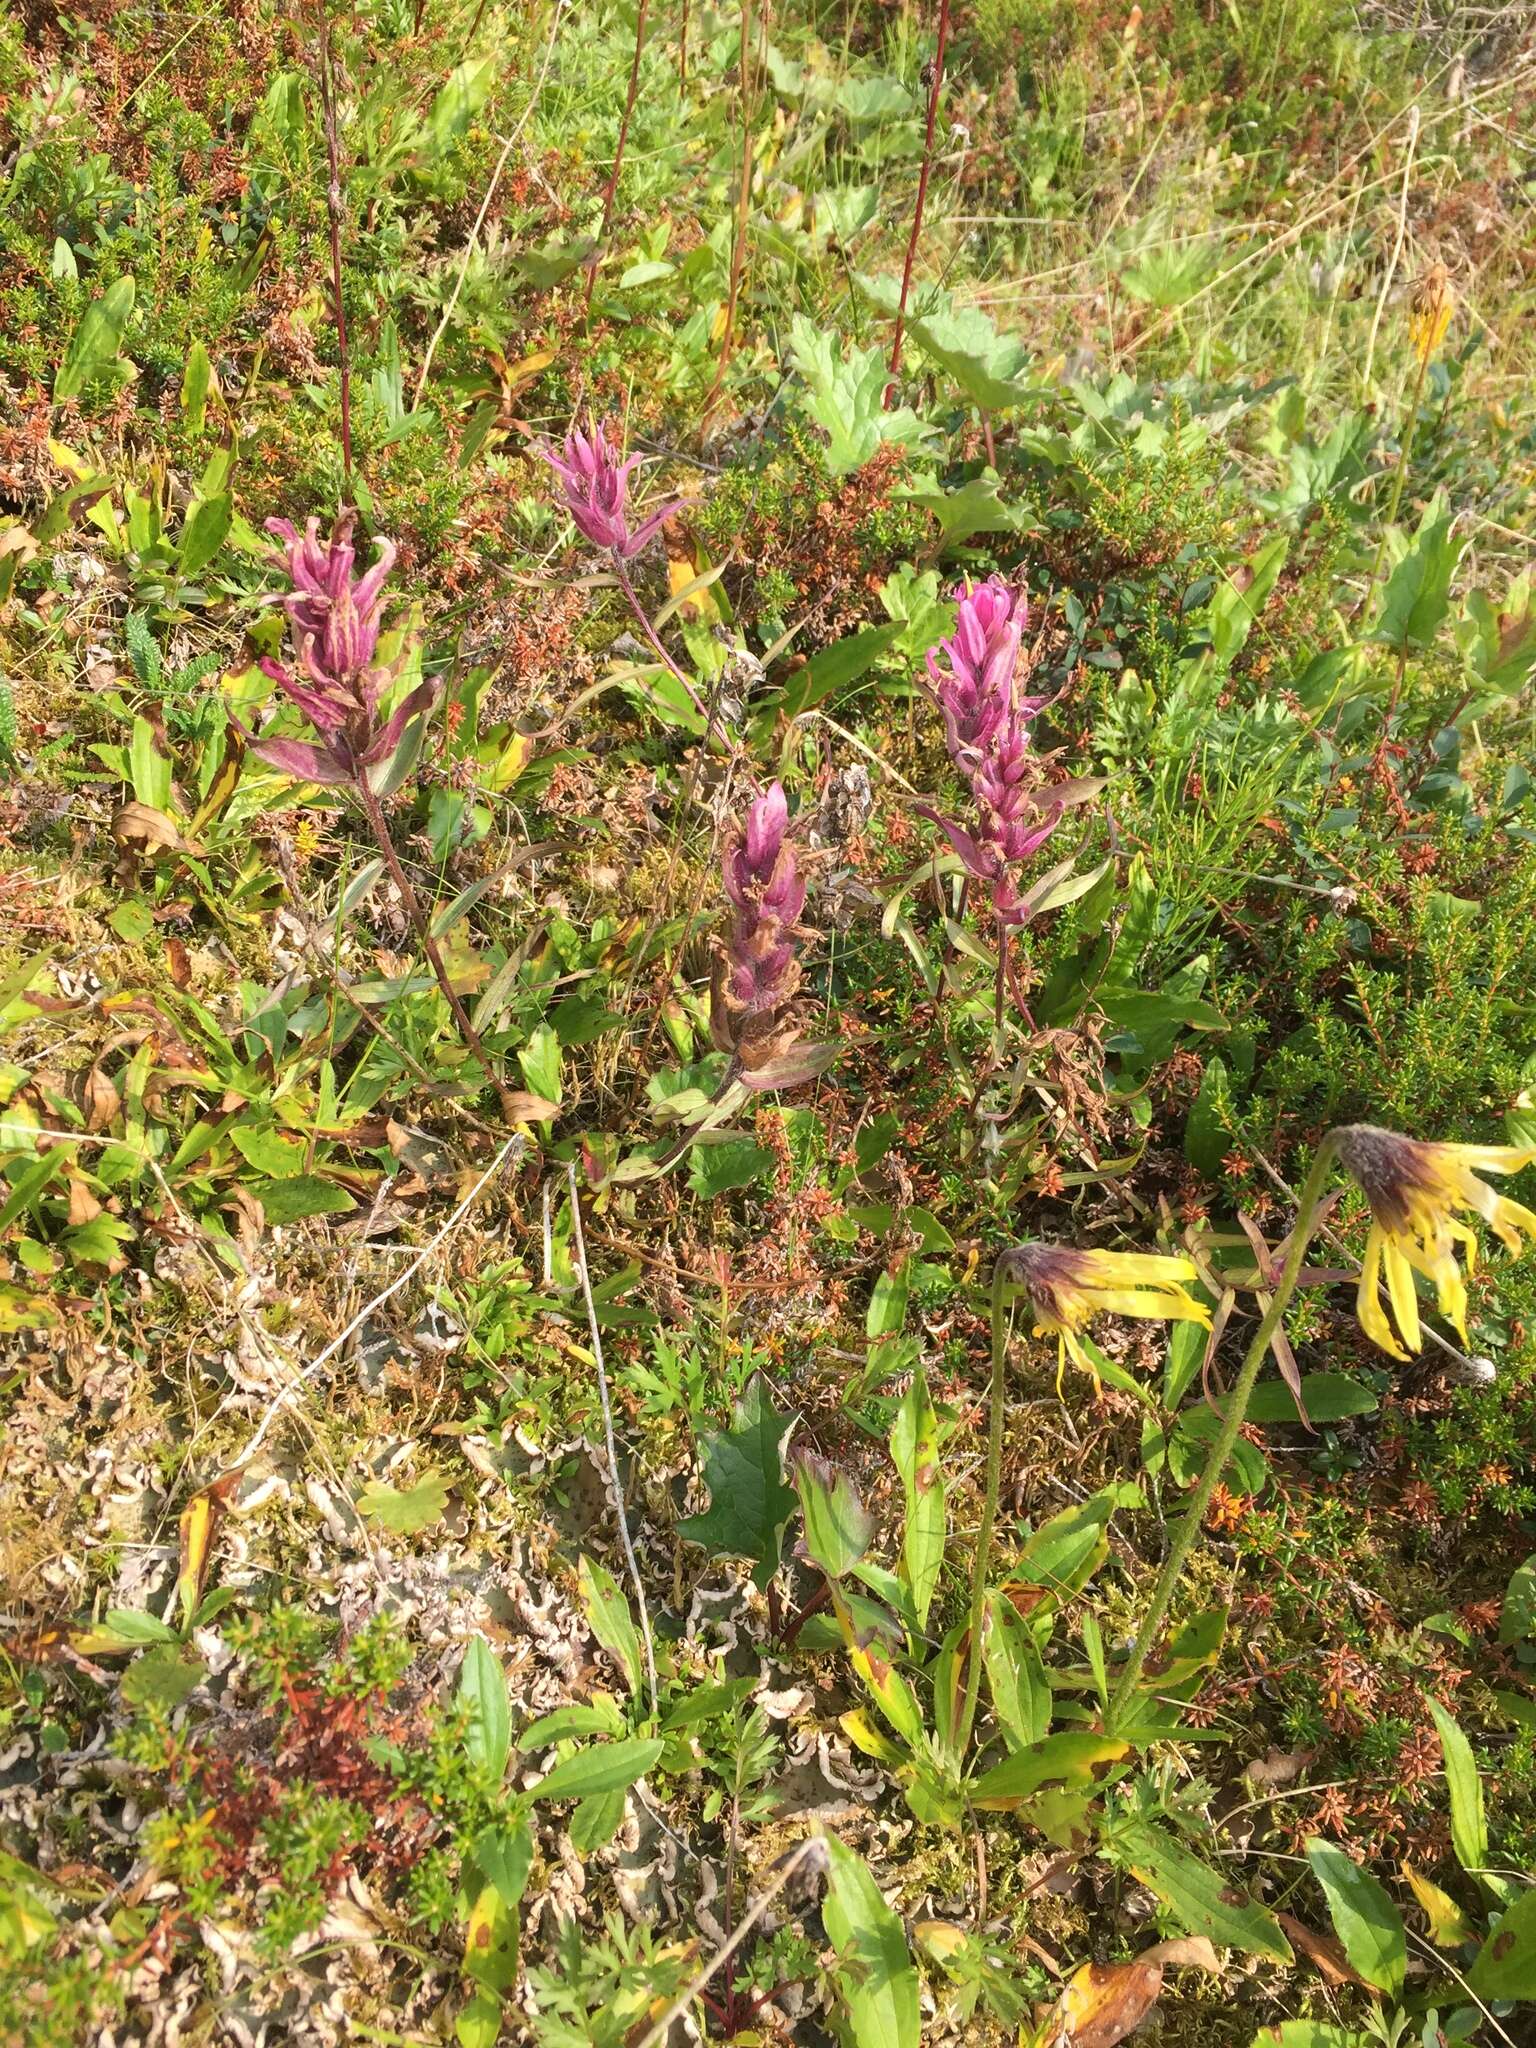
[196, 382]
[277, 1157]
[604, 1767]
[405, 1513]
[749, 1502]
[1065, 1552]
[1310, 2034]
[97, 340]
[540, 1060]
[203, 533]
[1329, 1397]
[1506, 1963]
[975, 507]
[567, 1723]
[837, 1528]
[608, 1617]
[1069, 1758]
[1199, 1897]
[596, 1821]
[833, 668]
[984, 364]
[478, 2021]
[1418, 593]
[131, 1625]
[132, 921]
[1364, 1917]
[874, 1966]
[845, 396]
[483, 1694]
[735, 1163]
[1188, 1449]
[1186, 1353]
[1207, 1139]
[915, 1454]
[1021, 1692]
[1517, 1621]
[1500, 641]
[1469, 1828]
[1238, 600]
[290, 1199]
[463, 94]
[163, 1677]
[887, 1309]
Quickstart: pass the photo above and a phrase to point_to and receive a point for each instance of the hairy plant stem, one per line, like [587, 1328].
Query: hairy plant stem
[1188, 1532]
[934, 91]
[1001, 1321]
[374, 811]
[618, 161]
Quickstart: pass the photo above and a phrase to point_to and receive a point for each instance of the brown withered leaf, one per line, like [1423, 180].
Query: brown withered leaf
[99, 1098]
[178, 962]
[1321, 1949]
[83, 1205]
[1103, 2002]
[1187, 1952]
[140, 828]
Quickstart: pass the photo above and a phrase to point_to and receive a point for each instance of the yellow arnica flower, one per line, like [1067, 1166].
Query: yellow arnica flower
[1414, 1189]
[1429, 310]
[1068, 1288]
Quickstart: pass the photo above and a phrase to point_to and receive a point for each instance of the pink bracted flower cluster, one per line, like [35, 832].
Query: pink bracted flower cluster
[753, 1014]
[974, 682]
[333, 678]
[597, 492]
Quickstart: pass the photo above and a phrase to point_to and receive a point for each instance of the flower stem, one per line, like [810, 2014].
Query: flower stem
[655, 642]
[743, 212]
[1189, 1529]
[1000, 1325]
[333, 208]
[374, 811]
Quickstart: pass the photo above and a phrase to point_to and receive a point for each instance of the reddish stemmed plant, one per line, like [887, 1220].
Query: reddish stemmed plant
[334, 677]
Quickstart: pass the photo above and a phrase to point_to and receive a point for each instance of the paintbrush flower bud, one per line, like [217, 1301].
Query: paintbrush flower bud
[753, 1009]
[973, 679]
[596, 486]
[333, 676]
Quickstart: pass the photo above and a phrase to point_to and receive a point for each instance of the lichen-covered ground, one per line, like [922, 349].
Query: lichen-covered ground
[490, 1556]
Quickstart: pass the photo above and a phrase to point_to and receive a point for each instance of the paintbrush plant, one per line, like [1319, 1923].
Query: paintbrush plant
[334, 677]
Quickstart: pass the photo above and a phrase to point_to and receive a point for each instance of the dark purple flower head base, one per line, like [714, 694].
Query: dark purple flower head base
[332, 675]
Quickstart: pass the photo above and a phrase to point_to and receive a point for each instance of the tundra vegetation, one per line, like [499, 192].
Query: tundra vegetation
[767, 1050]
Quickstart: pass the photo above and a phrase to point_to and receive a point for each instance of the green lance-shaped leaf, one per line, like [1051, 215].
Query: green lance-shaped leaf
[874, 1967]
[1364, 1917]
[97, 340]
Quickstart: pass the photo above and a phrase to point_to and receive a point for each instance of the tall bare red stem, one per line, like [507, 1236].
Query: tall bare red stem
[934, 91]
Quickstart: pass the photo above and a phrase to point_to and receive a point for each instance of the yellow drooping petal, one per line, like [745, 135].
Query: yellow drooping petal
[1404, 1296]
[1134, 1269]
[1368, 1308]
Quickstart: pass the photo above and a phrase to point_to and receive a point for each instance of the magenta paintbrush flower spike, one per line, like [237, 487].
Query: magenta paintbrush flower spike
[974, 682]
[753, 1011]
[596, 487]
[333, 677]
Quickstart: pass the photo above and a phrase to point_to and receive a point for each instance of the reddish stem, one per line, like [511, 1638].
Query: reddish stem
[743, 209]
[922, 192]
[618, 158]
[333, 210]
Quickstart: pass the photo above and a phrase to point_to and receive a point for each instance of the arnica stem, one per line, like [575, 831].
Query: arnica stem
[418, 917]
[1188, 1533]
[1001, 1320]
